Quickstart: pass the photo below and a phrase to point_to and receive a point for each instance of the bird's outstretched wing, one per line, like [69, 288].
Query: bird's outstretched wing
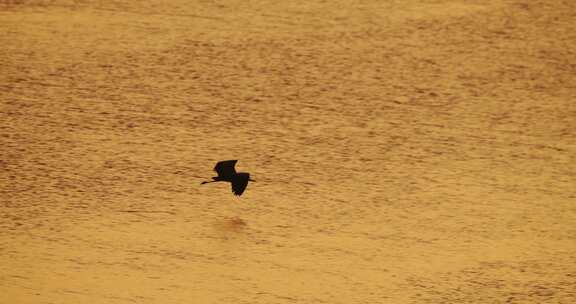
[225, 168]
[239, 183]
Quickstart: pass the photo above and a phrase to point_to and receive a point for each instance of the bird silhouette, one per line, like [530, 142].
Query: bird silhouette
[227, 173]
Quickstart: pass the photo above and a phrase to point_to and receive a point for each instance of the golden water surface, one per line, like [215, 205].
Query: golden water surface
[417, 151]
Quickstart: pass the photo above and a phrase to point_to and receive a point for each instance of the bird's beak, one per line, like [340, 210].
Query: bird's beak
[251, 180]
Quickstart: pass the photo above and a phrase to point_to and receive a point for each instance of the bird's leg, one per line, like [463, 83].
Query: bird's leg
[214, 179]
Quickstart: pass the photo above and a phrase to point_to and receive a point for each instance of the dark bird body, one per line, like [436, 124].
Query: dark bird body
[227, 173]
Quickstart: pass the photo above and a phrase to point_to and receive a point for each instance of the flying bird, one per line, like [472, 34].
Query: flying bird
[227, 173]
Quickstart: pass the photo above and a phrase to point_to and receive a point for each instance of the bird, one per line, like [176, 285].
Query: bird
[227, 173]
